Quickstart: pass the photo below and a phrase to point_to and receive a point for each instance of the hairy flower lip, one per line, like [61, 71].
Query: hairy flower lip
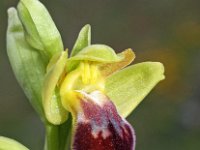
[97, 125]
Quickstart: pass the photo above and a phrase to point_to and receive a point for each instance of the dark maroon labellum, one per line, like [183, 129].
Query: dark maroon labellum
[99, 126]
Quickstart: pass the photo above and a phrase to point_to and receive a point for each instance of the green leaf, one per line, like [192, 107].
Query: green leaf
[128, 87]
[97, 53]
[83, 40]
[10, 144]
[40, 30]
[54, 111]
[27, 63]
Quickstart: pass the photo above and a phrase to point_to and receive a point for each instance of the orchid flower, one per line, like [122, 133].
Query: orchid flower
[91, 84]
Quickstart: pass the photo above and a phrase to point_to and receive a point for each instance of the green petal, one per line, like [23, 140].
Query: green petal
[41, 32]
[128, 87]
[110, 68]
[27, 63]
[54, 111]
[83, 40]
[97, 53]
[10, 144]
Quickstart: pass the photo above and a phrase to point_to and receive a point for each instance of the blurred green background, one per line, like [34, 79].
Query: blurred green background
[158, 30]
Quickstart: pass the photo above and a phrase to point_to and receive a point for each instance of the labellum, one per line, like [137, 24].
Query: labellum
[98, 125]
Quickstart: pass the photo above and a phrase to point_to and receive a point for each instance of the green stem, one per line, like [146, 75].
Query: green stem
[52, 137]
[65, 134]
[58, 136]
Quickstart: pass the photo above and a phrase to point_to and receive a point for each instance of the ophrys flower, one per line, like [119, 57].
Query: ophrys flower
[91, 84]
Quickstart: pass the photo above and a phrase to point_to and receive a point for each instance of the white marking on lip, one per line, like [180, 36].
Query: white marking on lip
[98, 98]
[82, 119]
[105, 133]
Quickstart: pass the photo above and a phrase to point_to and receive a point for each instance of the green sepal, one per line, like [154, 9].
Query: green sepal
[128, 87]
[83, 40]
[27, 63]
[97, 53]
[10, 144]
[54, 111]
[40, 30]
